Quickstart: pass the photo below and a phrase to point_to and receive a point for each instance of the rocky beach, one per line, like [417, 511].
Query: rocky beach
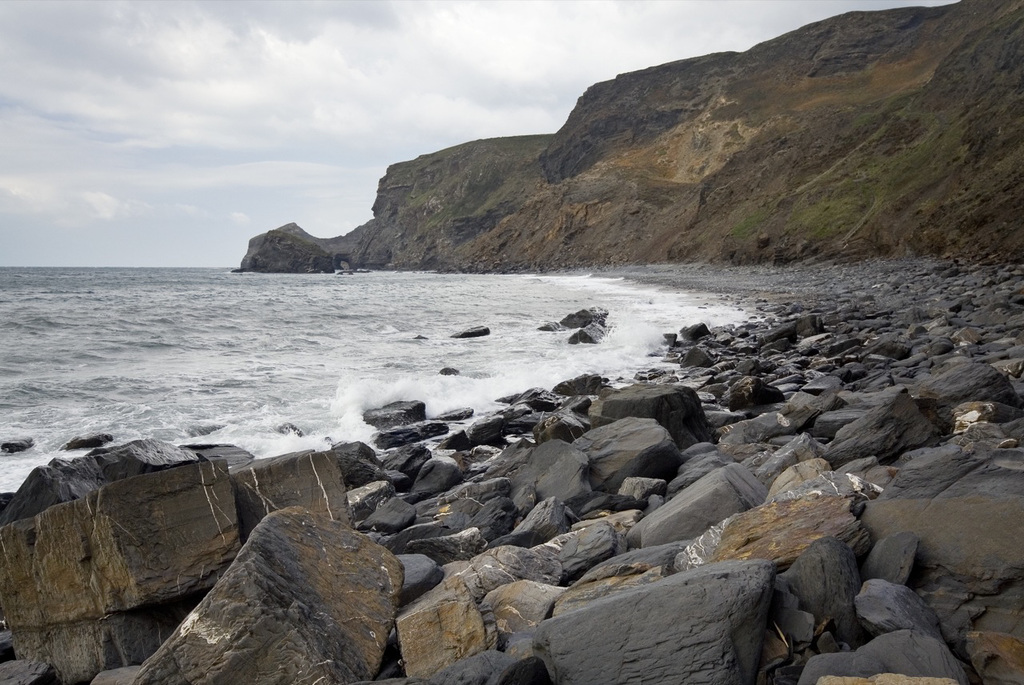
[829, 493]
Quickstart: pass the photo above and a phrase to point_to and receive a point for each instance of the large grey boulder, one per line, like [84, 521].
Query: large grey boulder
[713, 498]
[704, 625]
[307, 479]
[904, 652]
[553, 469]
[676, 407]
[825, 579]
[627, 448]
[306, 599]
[969, 382]
[396, 414]
[64, 480]
[884, 607]
[78, 580]
[885, 432]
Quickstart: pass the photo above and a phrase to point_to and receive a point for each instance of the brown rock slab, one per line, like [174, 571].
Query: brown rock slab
[997, 657]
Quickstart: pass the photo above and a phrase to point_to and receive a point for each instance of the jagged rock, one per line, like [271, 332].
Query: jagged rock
[503, 564]
[641, 488]
[885, 431]
[497, 517]
[390, 517]
[782, 530]
[711, 499]
[437, 475]
[585, 592]
[587, 384]
[891, 558]
[694, 332]
[822, 384]
[358, 464]
[521, 605]
[802, 448]
[88, 442]
[445, 549]
[696, 467]
[306, 599]
[675, 407]
[71, 576]
[28, 672]
[495, 667]
[364, 501]
[538, 399]
[968, 414]
[950, 471]
[637, 635]
[405, 435]
[440, 628]
[761, 428]
[553, 469]
[635, 561]
[826, 581]
[546, 520]
[232, 455]
[585, 317]
[997, 657]
[751, 391]
[562, 425]
[591, 334]
[486, 431]
[64, 480]
[17, 445]
[117, 676]
[408, 460]
[970, 382]
[421, 575]
[473, 332]
[797, 475]
[396, 414]
[628, 447]
[904, 652]
[884, 607]
[579, 550]
[307, 479]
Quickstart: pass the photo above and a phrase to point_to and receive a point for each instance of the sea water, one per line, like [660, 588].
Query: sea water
[209, 356]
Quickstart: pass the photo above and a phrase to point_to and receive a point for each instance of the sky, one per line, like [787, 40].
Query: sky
[169, 133]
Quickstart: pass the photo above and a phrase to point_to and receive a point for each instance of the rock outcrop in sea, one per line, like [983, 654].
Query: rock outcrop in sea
[837, 497]
[891, 133]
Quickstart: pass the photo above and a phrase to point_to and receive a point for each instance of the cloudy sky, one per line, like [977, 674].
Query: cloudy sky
[169, 133]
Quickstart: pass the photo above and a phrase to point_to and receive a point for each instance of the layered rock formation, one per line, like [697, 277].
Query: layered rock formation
[868, 134]
[289, 249]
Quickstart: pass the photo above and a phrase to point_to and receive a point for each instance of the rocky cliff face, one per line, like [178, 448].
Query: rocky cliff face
[289, 249]
[868, 134]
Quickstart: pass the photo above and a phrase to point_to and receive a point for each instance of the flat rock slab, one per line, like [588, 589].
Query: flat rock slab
[781, 531]
[306, 599]
[637, 636]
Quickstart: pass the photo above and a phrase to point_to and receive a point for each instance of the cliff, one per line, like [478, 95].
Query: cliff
[289, 249]
[869, 134]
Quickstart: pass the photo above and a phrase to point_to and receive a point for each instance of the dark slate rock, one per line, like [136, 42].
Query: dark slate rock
[457, 441]
[390, 517]
[676, 407]
[696, 467]
[590, 502]
[539, 399]
[891, 558]
[474, 332]
[405, 435]
[553, 469]
[751, 391]
[232, 455]
[547, 520]
[396, 414]
[496, 518]
[358, 464]
[587, 547]
[587, 384]
[26, 672]
[6, 646]
[444, 549]
[421, 574]
[17, 445]
[88, 442]
[904, 652]
[826, 580]
[971, 382]
[398, 543]
[949, 471]
[64, 480]
[493, 668]
[697, 357]
[886, 431]
[628, 447]
[408, 459]
[636, 635]
[828, 423]
[437, 475]
[455, 415]
[564, 425]
[641, 560]
[449, 371]
[761, 428]
[694, 332]
[885, 607]
[590, 334]
[713, 498]
[585, 317]
[486, 431]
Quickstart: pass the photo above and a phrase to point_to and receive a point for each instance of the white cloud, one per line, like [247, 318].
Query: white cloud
[240, 218]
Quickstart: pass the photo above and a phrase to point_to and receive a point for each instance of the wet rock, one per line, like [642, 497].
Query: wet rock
[486, 431]
[553, 469]
[564, 425]
[17, 445]
[445, 549]
[306, 598]
[545, 521]
[232, 455]
[590, 334]
[83, 442]
[358, 464]
[585, 317]
[364, 501]
[586, 384]
[884, 432]
[473, 332]
[390, 517]
[407, 460]
[396, 414]
[437, 475]
[405, 435]
[676, 407]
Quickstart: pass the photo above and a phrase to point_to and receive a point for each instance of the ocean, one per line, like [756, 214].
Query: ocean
[205, 355]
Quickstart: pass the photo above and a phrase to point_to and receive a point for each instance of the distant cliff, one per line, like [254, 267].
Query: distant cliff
[289, 249]
[869, 134]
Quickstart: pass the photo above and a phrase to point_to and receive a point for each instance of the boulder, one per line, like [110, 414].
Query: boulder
[88, 442]
[442, 627]
[504, 564]
[437, 475]
[884, 607]
[636, 635]
[641, 488]
[406, 435]
[486, 431]
[825, 580]
[306, 599]
[587, 384]
[951, 471]
[553, 469]
[584, 593]
[797, 475]
[591, 334]
[676, 407]
[445, 549]
[357, 463]
[585, 317]
[893, 427]
[520, 605]
[626, 448]
[782, 530]
[546, 520]
[473, 332]
[970, 382]
[76, 581]
[421, 574]
[307, 479]
[407, 460]
[711, 499]
[396, 414]
[64, 480]
[891, 558]
[492, 667]
[580, 550]
[390, 517]
[497, 517]
[904, 652]
[997, 657]
[17, 445]
[563, 425]
[232, 455]
[751, 391]
[28, 672]
[364, 501]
